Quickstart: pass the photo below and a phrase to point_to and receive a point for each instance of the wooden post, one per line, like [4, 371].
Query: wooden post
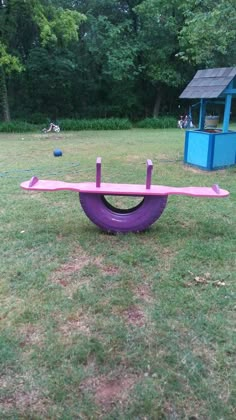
[227, 113]
[98, 172]
[202, 114]
[149, 174]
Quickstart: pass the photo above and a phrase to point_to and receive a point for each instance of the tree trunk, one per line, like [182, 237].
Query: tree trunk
[4, 106]
[157, 104]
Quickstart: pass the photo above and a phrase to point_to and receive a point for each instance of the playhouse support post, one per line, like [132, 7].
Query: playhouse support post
[227, 113]
[202, 114]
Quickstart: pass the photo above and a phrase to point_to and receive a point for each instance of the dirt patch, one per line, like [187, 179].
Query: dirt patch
[31, 335]
[110, 270]
[79, 260]
[195, 170]
[199, 171]
[205, 352]
[75, 264]
[134, 316]
[18, 396]
[26, 401]
[143, 292]
[132, 158]
[75, 323]
[110, 391]
[167, 255]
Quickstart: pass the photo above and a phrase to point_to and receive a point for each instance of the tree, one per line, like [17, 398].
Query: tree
[49, 81]
[126, 58]
[107, 58]
[209, 33]
[26, 25]
[8, 64]
[128, 54]
[160, 23]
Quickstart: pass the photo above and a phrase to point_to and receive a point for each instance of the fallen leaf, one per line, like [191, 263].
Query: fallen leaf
[219, 283]
[201, 280]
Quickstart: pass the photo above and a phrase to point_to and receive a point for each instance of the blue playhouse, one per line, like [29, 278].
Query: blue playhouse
[209, 147]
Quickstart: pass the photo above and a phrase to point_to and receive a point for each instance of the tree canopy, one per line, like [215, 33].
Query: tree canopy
[89, 58]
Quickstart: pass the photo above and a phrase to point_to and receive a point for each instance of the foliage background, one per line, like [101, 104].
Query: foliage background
[108, 58]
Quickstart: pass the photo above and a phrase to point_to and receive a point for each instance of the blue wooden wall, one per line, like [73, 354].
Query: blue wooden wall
[210, 151]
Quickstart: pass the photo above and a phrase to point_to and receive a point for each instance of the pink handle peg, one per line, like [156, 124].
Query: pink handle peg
[33, 181]
[98, 172]
[149, 174]
[216, 188]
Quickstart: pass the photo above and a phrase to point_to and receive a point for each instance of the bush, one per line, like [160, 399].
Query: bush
[38, 118]
[36, 124]
[160, 122]
[95, 124]
[17, 127]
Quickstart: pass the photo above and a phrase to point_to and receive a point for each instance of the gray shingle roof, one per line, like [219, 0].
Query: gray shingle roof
[209, 83]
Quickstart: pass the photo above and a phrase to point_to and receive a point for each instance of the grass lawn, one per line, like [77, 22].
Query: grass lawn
[137, 326]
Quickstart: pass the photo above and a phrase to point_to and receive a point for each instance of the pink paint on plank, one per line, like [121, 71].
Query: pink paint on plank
[124, 189]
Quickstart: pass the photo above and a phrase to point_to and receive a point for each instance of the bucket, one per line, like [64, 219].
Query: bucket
[211, 121]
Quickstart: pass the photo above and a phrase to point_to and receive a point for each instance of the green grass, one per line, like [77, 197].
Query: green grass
[137, 326]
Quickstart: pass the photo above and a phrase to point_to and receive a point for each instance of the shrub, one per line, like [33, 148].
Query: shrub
[95, 124]
[36, 124]
[160, 122]
[17, 127]
[38, 118]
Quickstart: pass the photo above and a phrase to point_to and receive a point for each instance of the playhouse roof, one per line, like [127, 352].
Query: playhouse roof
[209, 83]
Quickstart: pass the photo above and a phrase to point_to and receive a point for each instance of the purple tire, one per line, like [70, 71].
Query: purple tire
[115, 220]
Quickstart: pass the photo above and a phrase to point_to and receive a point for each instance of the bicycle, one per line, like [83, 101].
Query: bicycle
[52, 127]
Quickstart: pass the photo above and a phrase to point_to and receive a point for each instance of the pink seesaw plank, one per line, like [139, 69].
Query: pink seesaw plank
[123, 189]
[36, 184]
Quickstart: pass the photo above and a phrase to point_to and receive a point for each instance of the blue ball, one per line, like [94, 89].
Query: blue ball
[57, 152]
